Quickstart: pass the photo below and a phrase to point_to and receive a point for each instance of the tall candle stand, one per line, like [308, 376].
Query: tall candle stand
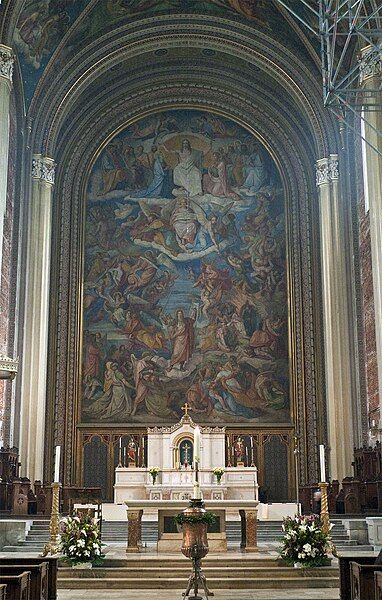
[53, 546]
[252, 453]
[324, 516]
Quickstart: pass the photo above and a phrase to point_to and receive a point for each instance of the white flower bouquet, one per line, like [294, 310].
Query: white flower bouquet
[305, 542]
[80, 539]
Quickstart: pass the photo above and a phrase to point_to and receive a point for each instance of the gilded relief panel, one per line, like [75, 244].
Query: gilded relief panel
[185, 294]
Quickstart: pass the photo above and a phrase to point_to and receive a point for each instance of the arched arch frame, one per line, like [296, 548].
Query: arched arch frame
[280, 107]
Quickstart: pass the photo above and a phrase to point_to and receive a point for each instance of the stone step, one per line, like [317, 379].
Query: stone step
[165, 572]
[249, 582]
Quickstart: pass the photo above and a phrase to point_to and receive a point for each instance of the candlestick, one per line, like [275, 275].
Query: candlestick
[124, 456]
[137, 457]
[324, 515]
[197, 444]
[53, 546]
[246, 456]
[322, 463]
[57, 465]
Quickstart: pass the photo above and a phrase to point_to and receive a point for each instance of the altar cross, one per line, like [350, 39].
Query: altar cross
[186, 407]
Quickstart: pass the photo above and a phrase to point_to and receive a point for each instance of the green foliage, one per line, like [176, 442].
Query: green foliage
[208, 518]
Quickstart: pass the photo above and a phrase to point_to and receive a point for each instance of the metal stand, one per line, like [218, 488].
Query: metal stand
[197, 580]
[53, 546]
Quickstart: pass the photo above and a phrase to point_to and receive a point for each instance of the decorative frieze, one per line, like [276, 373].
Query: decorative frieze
[7, 59]
[43, 168]
[327, 170]
[370, 63]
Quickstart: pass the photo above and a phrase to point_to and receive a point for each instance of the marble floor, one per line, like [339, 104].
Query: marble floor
[314, 594]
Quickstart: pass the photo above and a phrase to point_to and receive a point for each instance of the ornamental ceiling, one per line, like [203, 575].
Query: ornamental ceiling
[49, 32]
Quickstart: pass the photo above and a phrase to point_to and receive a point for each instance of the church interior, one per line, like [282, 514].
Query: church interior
[191, 297]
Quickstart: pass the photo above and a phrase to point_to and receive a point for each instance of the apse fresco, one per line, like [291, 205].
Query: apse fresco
[185, 293]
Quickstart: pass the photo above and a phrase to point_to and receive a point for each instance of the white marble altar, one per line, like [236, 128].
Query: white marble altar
[170, 449]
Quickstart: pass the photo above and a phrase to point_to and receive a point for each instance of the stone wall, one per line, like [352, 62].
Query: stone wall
[8, 274]
[370, 351]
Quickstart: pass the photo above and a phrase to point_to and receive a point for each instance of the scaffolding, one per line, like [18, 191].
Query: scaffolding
[341, 29]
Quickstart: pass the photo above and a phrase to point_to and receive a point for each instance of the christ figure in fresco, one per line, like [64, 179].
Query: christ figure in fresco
[187, 174]
[182, 335]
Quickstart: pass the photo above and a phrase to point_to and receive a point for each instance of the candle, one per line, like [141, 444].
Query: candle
[120, 442]
[246, 454]
[255, 476]
[322, 463]
[228, 443]
[197, 444]
[57, 465]
[197, 494]
[251, 443]
[124, 456]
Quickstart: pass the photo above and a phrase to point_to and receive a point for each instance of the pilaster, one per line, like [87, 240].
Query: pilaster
[35, 359]
[336, 319]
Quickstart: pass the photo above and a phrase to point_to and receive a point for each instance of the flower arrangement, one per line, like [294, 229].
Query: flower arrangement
[80, 539]
[154, 473]
[205, 517]
[218, 472]
[305, 542]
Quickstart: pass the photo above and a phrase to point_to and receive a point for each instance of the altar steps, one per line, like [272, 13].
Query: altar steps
[172, 572]
[268, 532]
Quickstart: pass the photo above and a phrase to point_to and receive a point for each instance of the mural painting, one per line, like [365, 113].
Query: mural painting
[185, 293]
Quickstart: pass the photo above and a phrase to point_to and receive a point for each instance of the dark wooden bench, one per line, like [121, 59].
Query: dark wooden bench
[378, 585]
[52, 569]
[3, 591]
[39, 586]
[18, 586]
[362, 581]
[345, 578]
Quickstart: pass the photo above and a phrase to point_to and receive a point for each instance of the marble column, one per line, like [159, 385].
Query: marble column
[134, 531]
[35, 343]
[371, 79]
[336, 320]
[6, 72]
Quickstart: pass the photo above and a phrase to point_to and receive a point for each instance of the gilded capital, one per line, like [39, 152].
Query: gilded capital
[7, 58]
[327, 170]
[370, 63]
[43, 168]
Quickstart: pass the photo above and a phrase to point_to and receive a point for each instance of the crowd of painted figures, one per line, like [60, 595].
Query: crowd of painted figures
[185, 277]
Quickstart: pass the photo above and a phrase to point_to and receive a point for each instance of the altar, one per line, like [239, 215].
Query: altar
[168, 472]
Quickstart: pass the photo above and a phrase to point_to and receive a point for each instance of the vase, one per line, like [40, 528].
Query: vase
[195, 543]
[83, 565]
[154, 478]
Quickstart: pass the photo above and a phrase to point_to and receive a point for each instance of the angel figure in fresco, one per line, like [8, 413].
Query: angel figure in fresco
[212, 283]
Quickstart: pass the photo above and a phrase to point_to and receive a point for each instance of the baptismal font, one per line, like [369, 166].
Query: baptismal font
[194, 521]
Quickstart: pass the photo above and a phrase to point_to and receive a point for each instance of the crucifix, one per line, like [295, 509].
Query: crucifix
[186, 447]
[186, 407]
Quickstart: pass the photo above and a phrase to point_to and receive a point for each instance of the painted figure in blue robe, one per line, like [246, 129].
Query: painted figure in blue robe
[161, 184]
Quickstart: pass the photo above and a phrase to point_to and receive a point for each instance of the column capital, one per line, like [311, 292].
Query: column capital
[327, 170]
[43, 168]
[370, 63]
[7, 59]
